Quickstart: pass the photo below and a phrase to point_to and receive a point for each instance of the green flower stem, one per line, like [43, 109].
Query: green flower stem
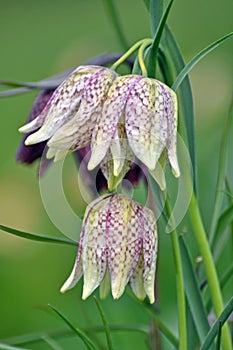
[128, 53]
[141, 56]
[179, 286]
[211, 274]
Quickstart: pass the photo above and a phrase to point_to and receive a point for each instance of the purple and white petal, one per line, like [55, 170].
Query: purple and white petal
[107, 124]
[123, 243]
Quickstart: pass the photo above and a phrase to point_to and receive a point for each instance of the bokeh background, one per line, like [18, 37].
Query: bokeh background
[43, 38]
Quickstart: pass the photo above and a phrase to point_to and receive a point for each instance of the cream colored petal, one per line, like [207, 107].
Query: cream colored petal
[159, 172]
[94, 245]
[123, 242]
[74, 277]
[145, 122]
[170, 105]
[64, 103]
[107, 124]
[150, 246]
[136, 280]
[31, 126]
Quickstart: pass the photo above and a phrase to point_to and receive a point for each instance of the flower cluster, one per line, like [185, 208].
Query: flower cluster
[119, 116]
[118, 239]
[112, 120]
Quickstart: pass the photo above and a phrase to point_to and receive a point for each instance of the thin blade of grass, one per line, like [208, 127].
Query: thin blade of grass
[156, 11]
[52, 343]
[37, 237]
[155, 45]
[213, 332]
[193, 293]
[105, 323]
[86, 340]
[215, 220]
[9, 347]
[186, 111]
[225, 220]
[189, 66]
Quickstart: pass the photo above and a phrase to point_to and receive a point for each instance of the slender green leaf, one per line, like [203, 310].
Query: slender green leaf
[226, 276]
[172, 52]
[185, 71]
[147, 3]
[156, 12]
[39, 337]
[80, 333]
[155, 45]
[105, 323]
[217, 222]
[37, 237]
[225, 219]
[8, 347]
[193, 293]
[13, 92]
[213, 332]
[218, 343]
[54, 81]
[52, 343]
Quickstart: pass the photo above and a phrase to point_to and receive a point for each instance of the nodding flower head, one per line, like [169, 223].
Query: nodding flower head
[119, 116]
[118, 244]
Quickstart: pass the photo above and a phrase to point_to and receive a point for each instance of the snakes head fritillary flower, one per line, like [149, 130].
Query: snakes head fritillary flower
[147, 110]
[118, 242]
[119, 116]
[69, 117]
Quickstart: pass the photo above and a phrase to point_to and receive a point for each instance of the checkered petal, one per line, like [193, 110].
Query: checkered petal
[150, 246]
[79, 94]
[170, 106]
[123, 242]
[107, 125]
[77, 132]
[136, 280]
[91, 257]
[145, 121]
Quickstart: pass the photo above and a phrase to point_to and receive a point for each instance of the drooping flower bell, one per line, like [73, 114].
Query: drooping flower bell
[120, 116]
[118, 244]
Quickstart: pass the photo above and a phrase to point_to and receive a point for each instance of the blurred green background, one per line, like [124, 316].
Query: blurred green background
[43, 38]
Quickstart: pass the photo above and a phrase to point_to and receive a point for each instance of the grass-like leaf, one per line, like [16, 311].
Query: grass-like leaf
[193, 293]
[37, 237]
[185, 71]
[81, 334]
[155, 45]
[105, 323]
[186, 123]
[54, 81]
[214, 331]
[9, 347]
[225, 219]
[219, 224]
[52, 343]
[156, 10]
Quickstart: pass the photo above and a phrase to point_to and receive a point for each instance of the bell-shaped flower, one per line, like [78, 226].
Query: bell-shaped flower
[148, 110]
[69, 117]
[118, 244]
